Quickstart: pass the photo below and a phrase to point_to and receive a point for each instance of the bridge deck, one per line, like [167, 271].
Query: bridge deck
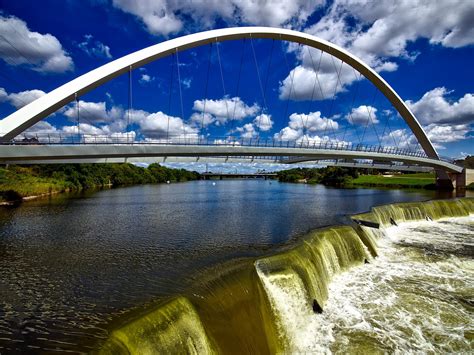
[18, 153]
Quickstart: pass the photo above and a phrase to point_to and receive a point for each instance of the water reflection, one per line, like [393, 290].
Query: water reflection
[69, 265]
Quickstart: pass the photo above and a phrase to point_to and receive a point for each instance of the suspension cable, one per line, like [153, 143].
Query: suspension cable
[205, 88]
[260, 85]
[222, 78]
[77, 113]
[369, 119]
[129, 100]
[180, 94]
[238, 84]
[351, 107]
[169, 98]
[328, 122]
[291, 87]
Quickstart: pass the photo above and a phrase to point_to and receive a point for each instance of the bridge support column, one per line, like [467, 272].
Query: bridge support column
[444, 180]
[463, 179]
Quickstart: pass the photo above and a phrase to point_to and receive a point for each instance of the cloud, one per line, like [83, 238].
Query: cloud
[376, 32]
[319, 77]
[159, 125]
[94, 48]
[300, 124]
[145, 78]
[226, 109]
[437, 134]
[263, 122]
[312, 122]
[360, 115]
[186, 83]
[20, 99]
[163, 17]
[93, 112]
[39, 52]
[247, 131]
[201, 119]
[434, 107]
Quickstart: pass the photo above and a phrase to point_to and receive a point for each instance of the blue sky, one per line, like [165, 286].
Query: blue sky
[424, 49]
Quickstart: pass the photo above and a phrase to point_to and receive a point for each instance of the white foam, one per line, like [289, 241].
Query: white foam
[408, 299]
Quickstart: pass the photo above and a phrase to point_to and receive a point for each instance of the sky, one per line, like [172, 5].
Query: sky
[253, 89]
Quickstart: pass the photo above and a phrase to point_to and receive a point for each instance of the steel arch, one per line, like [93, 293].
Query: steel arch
[30, 114]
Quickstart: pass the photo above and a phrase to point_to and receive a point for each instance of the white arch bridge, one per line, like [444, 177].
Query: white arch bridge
[18, 147]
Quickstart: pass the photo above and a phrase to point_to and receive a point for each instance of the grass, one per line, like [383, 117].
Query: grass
[419, 180]
[18, 183]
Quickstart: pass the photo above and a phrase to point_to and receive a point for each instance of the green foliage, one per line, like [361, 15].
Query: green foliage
[425, 180]
[331, 175]
[21, 181]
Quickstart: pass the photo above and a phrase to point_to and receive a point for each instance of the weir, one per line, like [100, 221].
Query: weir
[270, 304]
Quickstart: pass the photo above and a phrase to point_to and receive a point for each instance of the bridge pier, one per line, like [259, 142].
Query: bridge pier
[463, 179]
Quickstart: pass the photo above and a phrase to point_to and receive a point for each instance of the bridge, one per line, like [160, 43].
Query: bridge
[20, 145]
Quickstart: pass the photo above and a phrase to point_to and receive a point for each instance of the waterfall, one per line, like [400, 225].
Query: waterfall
[275, 303]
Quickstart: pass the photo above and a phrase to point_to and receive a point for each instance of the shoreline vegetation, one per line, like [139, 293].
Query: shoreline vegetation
[19, 183]
[350, 177]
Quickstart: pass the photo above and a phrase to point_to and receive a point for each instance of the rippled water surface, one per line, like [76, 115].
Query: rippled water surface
[417, 296]
[71, 265]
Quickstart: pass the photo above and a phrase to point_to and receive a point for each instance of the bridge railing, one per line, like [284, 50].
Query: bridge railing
[123, 139]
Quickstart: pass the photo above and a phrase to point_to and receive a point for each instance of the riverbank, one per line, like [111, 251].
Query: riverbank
[350, 177]
[20, 183]
[413, 181]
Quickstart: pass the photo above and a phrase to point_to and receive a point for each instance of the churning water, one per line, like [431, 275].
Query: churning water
[200, 268]
[416, 296]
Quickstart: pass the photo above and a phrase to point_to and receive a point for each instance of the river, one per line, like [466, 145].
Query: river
[71, 265]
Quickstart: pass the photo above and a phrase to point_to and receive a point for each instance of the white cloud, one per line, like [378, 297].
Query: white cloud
[437, 134]
[312, 122]
[145, 78]
[22, 98]
[162, 17]
[300, 124]
[93, 112]
[360, 115]
[94, 48]
[159, 125]
[247, 131]
[226, 109]
[434, 107]
[263, 122]
[377, 32]
[40, 52]
[186, 83]
[201, 119]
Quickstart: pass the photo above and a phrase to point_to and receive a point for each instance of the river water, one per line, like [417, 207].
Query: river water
[71, 265]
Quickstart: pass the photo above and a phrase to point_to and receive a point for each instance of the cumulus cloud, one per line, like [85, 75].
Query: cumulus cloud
[300, 124]
[159, 125]
[163, 17]
[434, 107]
[377, 32]
[263, 122]
[437, 134]
[363, 115]
[247, 130]
[226, 109]
[20, 99]
[95, 48]
[311, 122]
[93, 112]
[40, 52]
